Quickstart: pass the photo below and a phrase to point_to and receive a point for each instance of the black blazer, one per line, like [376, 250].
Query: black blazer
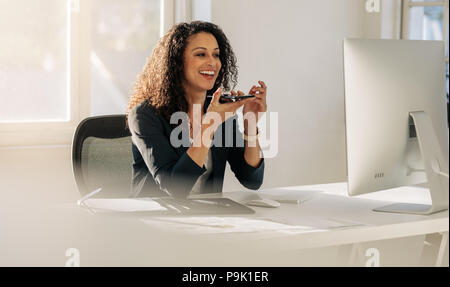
[160, 169]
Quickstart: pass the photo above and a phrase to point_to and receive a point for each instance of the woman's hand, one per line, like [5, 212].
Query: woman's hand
[257, 107]
[225, 110]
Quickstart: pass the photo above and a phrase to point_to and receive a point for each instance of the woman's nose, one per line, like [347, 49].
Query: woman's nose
[210, 59]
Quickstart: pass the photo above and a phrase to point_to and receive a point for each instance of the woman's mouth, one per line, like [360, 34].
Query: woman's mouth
[209, 75]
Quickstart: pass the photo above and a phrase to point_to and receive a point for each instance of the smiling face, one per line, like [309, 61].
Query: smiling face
[201, 63]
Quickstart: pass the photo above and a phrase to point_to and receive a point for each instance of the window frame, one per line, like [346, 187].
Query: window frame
[408, 4]
[37, 133]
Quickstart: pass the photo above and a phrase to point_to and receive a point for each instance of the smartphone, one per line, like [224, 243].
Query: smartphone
[228, 98]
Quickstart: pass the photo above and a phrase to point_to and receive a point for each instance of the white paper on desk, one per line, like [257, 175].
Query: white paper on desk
[287, 195]
[123, 204]
[222, 224]
[322, 223]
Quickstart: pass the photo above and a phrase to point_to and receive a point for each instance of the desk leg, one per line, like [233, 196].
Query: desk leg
[435, 250]
[442, 258]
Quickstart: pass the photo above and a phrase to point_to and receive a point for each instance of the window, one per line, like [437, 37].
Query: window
[64, 60]
[33, 61]
[427, 20]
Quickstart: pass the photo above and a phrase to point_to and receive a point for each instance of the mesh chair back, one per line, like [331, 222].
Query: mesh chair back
[102, 156]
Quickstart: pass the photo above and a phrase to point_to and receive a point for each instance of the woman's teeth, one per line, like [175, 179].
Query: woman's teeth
[209, 73]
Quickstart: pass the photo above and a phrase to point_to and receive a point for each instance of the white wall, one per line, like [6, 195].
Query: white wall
[296, 48]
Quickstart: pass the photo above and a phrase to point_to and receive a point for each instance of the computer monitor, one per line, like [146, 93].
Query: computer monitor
[396, 121]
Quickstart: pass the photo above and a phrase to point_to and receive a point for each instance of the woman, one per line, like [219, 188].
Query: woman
[191, 61]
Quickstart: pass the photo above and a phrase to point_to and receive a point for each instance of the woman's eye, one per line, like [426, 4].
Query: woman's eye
[203, 55]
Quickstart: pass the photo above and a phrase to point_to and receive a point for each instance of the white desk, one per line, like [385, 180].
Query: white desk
[376, 230]
[41, 235]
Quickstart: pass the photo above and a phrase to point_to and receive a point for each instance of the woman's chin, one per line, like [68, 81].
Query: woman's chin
[206, 89]
[208, 86]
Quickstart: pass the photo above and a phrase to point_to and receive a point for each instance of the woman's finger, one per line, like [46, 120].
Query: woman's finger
[238, 104]
[217, 95]
[261, 91]
[263, 85]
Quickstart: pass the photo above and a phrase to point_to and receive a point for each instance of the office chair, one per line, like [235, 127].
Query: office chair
[102, 156]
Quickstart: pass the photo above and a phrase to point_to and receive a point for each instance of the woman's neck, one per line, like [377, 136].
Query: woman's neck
[195, 99]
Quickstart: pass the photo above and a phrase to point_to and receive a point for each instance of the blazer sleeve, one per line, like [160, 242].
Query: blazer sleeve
[174, 174]
[249, 176]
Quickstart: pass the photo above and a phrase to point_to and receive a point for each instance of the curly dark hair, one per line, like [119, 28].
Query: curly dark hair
[160, 81]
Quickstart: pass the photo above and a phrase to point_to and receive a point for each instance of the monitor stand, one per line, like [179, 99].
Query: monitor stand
[436, 168]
